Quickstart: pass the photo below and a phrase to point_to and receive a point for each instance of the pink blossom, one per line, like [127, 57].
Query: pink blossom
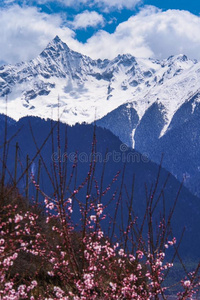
[121, 252]
[2, 241]
[18, 218]
[187, 283]
[113, 286]
[70, 209]
[93, 218]
[69, 200]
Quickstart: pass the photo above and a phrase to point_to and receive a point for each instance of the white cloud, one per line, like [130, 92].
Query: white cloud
[63, 2]
[87, 19]
[104, 4]
[151, 33]
[119, 4]
[8, 1]
[24, 32]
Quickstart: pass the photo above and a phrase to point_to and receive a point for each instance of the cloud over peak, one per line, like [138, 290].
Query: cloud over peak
[25, 31]
[87, 19]
[150, 33]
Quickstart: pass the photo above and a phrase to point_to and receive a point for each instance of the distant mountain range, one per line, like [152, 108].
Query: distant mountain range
[151, 105]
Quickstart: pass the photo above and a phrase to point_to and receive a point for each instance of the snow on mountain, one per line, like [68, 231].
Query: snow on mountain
[151, 105]
[91, 89]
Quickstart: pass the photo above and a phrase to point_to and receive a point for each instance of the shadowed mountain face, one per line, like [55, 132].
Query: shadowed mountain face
[122, 122]
[180, 144]
[111, 154]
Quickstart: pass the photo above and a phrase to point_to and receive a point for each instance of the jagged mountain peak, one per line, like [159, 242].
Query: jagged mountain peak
[56, 45]
[180, 57]
[57, 39]
[181, 61]
[58, 53]
[56, 50]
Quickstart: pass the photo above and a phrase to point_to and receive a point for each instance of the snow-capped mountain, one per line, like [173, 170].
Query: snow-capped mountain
[89, 89]
[150, 104]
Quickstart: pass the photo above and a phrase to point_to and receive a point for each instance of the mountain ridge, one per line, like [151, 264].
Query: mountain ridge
[145, 102]
[107, 83]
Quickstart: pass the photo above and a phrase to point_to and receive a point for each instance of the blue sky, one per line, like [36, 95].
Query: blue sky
[191, 5]
[100, 28]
